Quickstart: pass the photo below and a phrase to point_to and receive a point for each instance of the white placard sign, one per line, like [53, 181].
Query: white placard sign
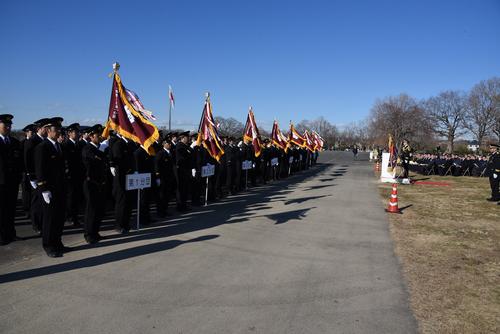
[386, 176]
[274, 161]
[207, 170]
[138, 181]
[247, 164]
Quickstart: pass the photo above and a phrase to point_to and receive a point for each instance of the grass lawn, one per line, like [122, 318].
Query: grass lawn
[448, 240]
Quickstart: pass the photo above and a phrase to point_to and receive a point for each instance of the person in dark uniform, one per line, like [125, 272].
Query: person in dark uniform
[144, 163]
[94, 185]
[11, 167]
[197, 163]
[121, 161]
[236, 166]
[74, 172]
[49, 170]
[29, 165]
[29, 131]
[493, 172]
[248, 154]
[183, 161]
[406, 154]
[165, 177]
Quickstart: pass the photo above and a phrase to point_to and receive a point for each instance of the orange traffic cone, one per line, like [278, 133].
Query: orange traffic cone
[393, 202]
[377, 166]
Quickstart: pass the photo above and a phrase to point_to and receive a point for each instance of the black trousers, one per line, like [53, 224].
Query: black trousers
[95, 205]
[145, 204]
[123, 203]
[183, 184]
[163, 197]
[36, 211]
[52, 220]
[74, 198]
[494, 185]
[8, 199]
[26, 194]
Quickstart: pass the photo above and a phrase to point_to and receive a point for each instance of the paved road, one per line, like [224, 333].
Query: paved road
[311, 254]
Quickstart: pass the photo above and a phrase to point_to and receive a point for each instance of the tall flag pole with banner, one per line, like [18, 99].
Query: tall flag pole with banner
[171, 106]
[393, 155]
[295, 138]
[207, 132]
[318, 141]
[309, 144]
[125, 118]
[277, 138]
[252, 134]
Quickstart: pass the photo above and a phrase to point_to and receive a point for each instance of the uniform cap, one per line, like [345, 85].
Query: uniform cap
[6, 118]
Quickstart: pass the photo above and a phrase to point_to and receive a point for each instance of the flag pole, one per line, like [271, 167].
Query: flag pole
[169, 113]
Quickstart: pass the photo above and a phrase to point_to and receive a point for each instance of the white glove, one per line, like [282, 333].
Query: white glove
[113, 171]
[193, 144]
[33, 184]
[495, 175]
[158, 182]
[47, 195]
[193, 171]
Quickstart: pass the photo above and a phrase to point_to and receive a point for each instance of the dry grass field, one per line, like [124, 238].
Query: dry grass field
[448, 240]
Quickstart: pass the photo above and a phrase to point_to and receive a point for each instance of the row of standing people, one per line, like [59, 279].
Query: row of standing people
[59, 170]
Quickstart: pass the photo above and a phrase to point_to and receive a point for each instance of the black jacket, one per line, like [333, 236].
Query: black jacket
[95, 163]
[11, 162]
[49, 167]
[29, 156]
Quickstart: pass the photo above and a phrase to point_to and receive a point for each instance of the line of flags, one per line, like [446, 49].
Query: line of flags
[129, 118]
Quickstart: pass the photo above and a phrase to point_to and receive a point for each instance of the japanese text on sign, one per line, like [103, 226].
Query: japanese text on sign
[138, 181]
[207, 170]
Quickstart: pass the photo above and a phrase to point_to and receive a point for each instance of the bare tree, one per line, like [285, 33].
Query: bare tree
[401, 117]
[324, 128]
[229, 126]
[446, 114]
[482, 108]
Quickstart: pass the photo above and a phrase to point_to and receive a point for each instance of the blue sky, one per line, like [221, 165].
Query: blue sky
[290, 60]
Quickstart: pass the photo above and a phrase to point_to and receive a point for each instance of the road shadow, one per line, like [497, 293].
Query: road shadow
[303, 199]
[233, 209]
[98, 260]
[319, 187]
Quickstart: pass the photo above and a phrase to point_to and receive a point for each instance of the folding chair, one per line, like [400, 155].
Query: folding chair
[431, 170]
[449, 170]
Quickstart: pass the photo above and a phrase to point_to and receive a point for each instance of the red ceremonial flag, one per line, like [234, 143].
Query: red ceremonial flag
[309, 144]
[277, 138]
[252, 134]
[295, 137]
[207, 133]
[319, 142]
[126, 120]
[171, 96]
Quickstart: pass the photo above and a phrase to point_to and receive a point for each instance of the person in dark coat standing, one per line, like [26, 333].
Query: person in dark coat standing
[144, 163]
[493, 172]
[29, 166]
[164, 176]
[74, 173]
[121, 160]
[94, 185]
[29, 130]
[49, 169]
[11, 167]
[183, 161]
